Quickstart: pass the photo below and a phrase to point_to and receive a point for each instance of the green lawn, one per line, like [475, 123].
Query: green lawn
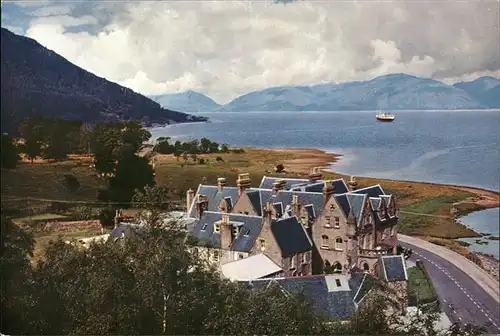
[420, 289]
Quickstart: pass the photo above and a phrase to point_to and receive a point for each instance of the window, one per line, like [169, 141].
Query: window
[337, 222]
[339, 244]
[246, 212]
[328, 221]
[369, 219]
[332, 207]
[304, 258]
[236, 230]
[216, 227]
[293, 261]
[215, 256]
[337, 267]
[247, 232]
[366, 267]
[262, 244]
[204, 227]
[337, 282]
[324, 241]
[240, 256]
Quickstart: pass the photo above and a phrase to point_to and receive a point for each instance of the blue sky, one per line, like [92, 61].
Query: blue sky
[227, 48]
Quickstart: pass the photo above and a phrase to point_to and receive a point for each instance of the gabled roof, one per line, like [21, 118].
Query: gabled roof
[363, 286]
[327, 298]
[290, 236]
[286, 196]
[214, 197]
[267, 182]
[254, 197]
[373, 191]
[375, 201]
[357, 202]
[251, 268]
[394, 268]
[252, 225]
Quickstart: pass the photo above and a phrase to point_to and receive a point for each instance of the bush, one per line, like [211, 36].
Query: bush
[107, 217]
[82, 212]
[279, 168]
[238, 150]
[71, 182]
[219, 159]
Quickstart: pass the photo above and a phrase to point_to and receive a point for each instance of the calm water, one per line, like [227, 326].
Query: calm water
[486, 221]
[443, 147]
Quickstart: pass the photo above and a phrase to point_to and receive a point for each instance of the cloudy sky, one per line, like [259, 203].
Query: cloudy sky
[227, 48]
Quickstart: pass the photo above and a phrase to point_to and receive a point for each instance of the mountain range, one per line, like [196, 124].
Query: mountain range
[36, 80]
[388, 92]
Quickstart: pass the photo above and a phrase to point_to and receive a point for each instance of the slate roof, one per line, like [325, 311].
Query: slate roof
[375, 201]
[339, 186]
[214, 197]
[125, 230]
[252, 225]
[373, 191]
[254, 197]
[394, 268]
[291, 236]
[325, 298]
[356, 203]
[267, 182]
[367, 282]
[285, 197]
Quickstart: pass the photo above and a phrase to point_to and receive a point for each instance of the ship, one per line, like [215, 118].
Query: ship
[384, 116]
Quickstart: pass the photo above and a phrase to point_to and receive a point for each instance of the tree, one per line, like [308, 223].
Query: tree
[132, 172]
[107, 217]
[163, 146]
[280, 168]
[224, 148]
[155, 200]
[15, 250]
[8, 152]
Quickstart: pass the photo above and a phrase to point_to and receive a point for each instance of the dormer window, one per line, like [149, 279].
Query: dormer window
[204, 227]
[236, 230]
[217, 228]
[247, 232]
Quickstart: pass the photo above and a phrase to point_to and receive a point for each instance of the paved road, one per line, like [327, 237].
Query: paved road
[462, 299]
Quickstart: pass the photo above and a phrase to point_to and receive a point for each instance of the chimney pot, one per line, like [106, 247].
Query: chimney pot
[315, 174]
[221, 182]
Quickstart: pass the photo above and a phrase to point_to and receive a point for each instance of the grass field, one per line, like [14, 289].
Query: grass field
[420, 289]
[46, 180]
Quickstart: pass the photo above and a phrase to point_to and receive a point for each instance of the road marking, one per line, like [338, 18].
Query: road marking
[461, 288]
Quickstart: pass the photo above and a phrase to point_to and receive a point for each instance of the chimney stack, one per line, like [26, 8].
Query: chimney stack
[315, 175]
[226, 232]
[328, 190]
[117, 219]
[221, 182]
[189, 199]
[353, 184]
[201, 205]
[296, 206]
[243, 182]
[268, 210]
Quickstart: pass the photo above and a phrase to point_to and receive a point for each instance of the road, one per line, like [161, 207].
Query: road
[462, 299]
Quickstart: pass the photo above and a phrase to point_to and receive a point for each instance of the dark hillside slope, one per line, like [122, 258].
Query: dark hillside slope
[35, 79]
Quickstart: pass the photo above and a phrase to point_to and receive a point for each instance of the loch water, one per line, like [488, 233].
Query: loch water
[449, 147]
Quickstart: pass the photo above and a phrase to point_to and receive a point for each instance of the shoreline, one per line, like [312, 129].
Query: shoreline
[319, 158]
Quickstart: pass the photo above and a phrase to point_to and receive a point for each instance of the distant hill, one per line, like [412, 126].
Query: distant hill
[485, 90]
[189, 101]
[390, 92]
[35, 79]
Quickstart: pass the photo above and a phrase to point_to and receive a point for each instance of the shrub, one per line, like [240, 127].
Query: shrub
[219, 159]
[71, 182]
[107, 217]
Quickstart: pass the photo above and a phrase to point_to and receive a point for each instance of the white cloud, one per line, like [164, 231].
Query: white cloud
[227, 48]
